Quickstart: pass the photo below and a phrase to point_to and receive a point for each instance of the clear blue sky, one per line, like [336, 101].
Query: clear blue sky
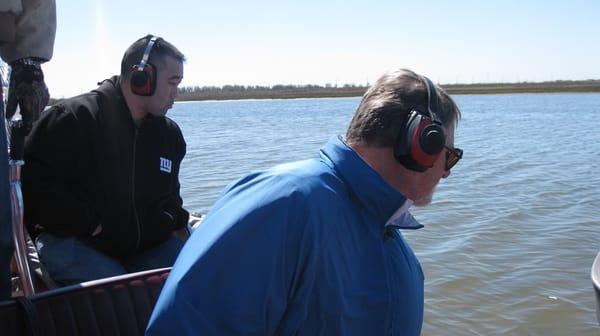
[268, 42]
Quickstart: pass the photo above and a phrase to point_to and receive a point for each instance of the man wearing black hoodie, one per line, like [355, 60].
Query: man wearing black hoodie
[100, 183]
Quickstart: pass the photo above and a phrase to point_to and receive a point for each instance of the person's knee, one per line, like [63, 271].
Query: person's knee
[160, 256]
[70, 261]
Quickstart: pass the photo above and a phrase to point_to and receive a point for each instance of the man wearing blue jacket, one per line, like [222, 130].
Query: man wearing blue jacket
[314, 247]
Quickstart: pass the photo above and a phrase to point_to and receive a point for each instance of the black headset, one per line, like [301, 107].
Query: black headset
[143, 75]
[422, 138]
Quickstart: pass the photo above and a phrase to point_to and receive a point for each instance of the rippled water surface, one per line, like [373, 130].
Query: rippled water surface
[510, 237]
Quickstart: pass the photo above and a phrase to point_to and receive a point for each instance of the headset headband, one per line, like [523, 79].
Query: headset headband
[432, 99]
[147, 52]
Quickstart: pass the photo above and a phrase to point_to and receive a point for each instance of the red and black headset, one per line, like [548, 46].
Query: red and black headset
[143, 75]
[422, 139]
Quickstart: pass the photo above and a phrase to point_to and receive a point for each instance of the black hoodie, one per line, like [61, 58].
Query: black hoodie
[88, 164]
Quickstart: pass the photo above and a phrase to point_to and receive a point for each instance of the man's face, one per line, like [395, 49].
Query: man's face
[431, 177]
[169, 76]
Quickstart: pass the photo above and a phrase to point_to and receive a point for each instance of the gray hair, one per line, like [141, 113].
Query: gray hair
[381, 115]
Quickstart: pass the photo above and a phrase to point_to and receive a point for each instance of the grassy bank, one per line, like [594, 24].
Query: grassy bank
[314, 91]
[264, 92]
[541, 87]
[233, 92]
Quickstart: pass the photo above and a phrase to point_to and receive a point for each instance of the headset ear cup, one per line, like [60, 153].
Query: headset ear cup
[427, 144]
[403, 151]
[150, 70]
[432, 139]
[423, 138]
[138, 79]
[143, 81]
[421, 143]
[403, 143]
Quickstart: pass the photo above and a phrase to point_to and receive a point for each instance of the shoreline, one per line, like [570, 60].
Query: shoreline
[588, 86]
[236, 92]
[312, 91]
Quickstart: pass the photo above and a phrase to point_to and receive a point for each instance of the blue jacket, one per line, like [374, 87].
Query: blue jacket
[300, 249]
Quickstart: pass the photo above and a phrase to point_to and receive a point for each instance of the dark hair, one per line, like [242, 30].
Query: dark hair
[380, 117]
[160, 50]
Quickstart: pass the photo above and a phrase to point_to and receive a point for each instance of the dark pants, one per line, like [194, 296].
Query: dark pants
[6, 242]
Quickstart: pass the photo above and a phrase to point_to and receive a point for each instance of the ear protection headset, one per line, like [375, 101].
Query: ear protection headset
[422, 139]
[143, 75]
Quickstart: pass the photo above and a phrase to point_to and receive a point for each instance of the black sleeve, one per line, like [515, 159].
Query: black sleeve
[174, 207]
[57, 159]
[168, 213]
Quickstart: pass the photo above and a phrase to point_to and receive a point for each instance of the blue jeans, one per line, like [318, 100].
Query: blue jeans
[69, 261]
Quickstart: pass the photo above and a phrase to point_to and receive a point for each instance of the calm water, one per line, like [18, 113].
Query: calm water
[512, 233]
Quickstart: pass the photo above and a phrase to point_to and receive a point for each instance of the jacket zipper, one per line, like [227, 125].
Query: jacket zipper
[135, 214]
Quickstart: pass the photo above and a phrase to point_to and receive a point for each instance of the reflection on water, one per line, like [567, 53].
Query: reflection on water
[510, 238]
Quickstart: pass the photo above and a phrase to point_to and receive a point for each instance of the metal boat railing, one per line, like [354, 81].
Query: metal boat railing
[15, 201]
[596, 282]
[18, 227]
[5, 220]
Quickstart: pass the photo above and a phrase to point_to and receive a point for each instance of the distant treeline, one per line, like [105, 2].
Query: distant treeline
[351, 90]
[269, 92]
[227, 92]
[592, 85]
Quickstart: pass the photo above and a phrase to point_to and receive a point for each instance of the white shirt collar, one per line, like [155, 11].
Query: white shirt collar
[403, 219]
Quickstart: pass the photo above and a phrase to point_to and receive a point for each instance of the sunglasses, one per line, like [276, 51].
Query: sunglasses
[453, 155]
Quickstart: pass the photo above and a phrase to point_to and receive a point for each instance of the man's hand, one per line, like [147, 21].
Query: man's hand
[183, 234]
[27, 90]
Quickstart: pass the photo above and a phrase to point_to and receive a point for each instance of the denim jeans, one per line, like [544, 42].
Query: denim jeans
[69, 261]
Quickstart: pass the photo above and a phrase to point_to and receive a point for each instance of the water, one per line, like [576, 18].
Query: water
[511, 235]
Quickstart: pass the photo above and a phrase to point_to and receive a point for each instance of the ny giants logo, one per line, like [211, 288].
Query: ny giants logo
[165, 165]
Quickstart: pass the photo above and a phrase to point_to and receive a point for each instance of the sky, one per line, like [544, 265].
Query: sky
[269, 42]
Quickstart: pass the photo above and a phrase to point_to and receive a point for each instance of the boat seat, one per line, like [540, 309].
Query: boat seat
[118, 305]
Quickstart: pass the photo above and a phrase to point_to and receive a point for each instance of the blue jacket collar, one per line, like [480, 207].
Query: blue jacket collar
[369, 188]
